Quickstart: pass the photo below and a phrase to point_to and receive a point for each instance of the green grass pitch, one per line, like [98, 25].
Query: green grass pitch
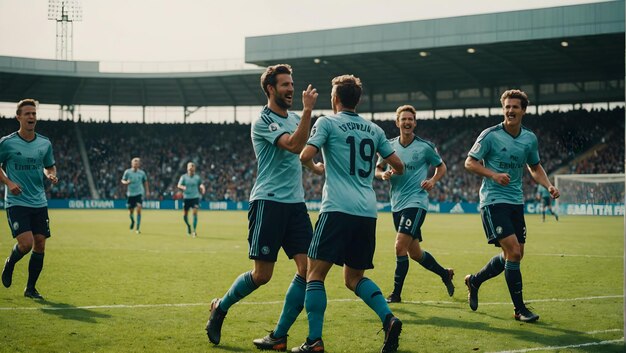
[110, 290]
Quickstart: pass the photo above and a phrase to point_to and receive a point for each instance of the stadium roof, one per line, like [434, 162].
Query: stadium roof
[568, 54]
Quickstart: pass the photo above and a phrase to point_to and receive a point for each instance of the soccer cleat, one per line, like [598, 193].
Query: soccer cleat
[7, 273]
[392, 335]
[472, 295]
[525, 315]
[316, 346]
[556, 216]
[214, 325]
[195, 234]
[32, 293]
[271, 343]
[448, 281]
[393, 298]
[138, 231]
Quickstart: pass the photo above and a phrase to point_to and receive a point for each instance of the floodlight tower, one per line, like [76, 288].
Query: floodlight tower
[65, 13]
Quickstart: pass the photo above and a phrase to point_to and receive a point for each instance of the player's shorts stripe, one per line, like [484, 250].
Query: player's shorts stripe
[418, 215]
[489, 222]
[318, 234]
[254, 247]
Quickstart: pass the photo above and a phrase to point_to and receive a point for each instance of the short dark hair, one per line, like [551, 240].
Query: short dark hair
[348, 89]
[25, 102]
[269, 76]
[515, 94]
[405, 108]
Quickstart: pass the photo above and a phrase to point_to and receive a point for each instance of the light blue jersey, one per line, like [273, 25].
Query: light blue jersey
[137, 178]
[24, 161]
[406, 190]
[503, 153]
[192, 186]
[542, 191]
[279, 172]
[349, 145]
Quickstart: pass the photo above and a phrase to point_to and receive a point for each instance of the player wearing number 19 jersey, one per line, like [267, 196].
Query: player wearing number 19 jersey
[345, 233]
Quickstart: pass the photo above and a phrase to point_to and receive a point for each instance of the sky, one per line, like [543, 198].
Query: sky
[149, 31]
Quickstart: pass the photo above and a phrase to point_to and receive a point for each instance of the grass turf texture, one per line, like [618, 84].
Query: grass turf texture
[110, 290]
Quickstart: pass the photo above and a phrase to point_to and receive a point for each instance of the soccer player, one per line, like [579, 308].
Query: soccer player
[345, 233]
[505, 150]
[26, 159]
[192, 187]
[137, 182]
[409, 199]
[546, 202]
[278, 215]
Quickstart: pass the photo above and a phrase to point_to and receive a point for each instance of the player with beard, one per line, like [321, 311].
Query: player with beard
[277, 216]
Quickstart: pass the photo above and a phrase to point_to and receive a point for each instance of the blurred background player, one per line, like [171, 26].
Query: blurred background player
[506, 150]
[192, 187]
[543, 195]
[409, 199]
[277, 216]
[345, 232]
[27, 159]
[137, 182]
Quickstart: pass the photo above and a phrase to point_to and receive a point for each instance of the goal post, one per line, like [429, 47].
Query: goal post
[590, 194]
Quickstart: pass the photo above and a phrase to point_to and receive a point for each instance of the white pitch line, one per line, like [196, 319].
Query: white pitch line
[550, 348]
[139, 306]
[604, 331]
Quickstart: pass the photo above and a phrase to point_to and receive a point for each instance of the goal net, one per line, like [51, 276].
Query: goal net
[590, 194]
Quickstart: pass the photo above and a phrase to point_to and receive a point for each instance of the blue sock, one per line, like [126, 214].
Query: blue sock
[132, 220]
[402, 268]
[429, 263]
[494, 267]
[187, 223]
[294, 303]
[242, 286]
[367, 290]
[315, 304]
[513, 277]
[195, 222]
[138, 220]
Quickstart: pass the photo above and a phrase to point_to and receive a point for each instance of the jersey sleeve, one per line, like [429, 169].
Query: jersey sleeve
[319, 133]
[268, 129]
[533, 152]
[181, 181]
[48, 158]
[481, 147]
[125, 175]
[144, 177]
[384, 147]
[433, 156]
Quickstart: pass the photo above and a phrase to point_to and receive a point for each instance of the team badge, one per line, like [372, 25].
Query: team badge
[265, 250]
[313, 131]
[499, 230]
[475, 148]
[273, 127]
[16, 225]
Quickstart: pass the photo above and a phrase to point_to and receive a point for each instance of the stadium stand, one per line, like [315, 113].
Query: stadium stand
[576, 141]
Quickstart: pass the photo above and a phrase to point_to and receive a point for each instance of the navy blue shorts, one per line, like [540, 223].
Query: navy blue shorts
[133, 201]
[409, 221]
[341, 238]
[272, 225]
[501, 220]
[23, 219]
[191, 203]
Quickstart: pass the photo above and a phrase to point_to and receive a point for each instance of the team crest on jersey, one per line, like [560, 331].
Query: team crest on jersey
[265, 250]
[273, 127]
[16, 225]
[415, 157]
[499, 230]
[476, 147]
[313, 130]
